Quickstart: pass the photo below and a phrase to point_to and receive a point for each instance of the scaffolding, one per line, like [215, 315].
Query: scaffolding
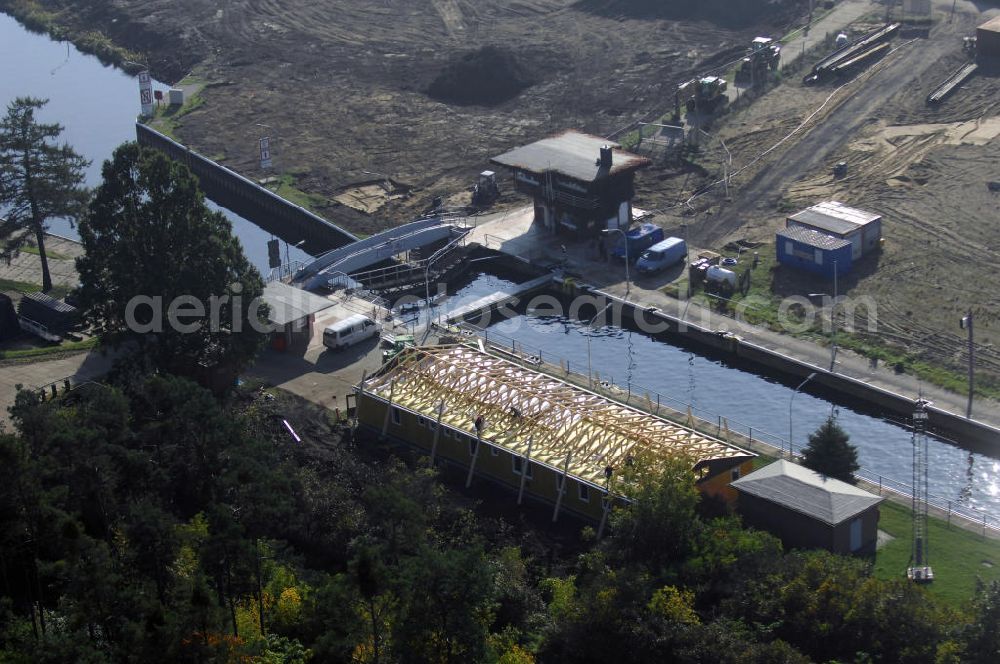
[920, 569]
[532, 413]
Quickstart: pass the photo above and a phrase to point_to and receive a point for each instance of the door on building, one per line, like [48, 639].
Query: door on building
[856, 534]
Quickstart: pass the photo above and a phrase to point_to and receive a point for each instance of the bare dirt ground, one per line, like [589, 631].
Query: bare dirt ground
[926, 168]
[344, 86]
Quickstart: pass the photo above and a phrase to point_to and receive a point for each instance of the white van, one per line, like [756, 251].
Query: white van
[662, 255]
[353, 329]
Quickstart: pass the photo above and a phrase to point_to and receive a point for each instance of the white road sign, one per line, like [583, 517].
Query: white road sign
[265, 153]
[146, 93]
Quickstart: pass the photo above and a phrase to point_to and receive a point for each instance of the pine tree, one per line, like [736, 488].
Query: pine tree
[39, 180]
[830, 453]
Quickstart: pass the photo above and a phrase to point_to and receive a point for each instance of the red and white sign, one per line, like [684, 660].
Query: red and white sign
[265, 153]
[146, 93]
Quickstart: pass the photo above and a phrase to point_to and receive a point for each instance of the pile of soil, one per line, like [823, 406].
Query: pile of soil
[485, 77]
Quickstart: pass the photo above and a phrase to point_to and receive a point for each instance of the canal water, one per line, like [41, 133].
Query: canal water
[97, 105]
[714, 386]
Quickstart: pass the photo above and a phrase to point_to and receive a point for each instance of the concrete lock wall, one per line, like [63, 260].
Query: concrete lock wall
[941, 422]
[248, 199]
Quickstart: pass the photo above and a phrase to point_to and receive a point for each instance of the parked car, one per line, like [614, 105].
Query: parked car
[662, 255]
[353, 329]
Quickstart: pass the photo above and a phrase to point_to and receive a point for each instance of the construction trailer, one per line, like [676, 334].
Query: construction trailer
[530, 431]
[581, 184]
[812, 251]
[861, 228]
[55, 316]
[809, 510]
[988, 39]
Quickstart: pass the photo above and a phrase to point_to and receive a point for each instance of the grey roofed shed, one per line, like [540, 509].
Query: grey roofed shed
[834, 217]
[289, 304]
[803, 490]
[571, 153]
[813, 238]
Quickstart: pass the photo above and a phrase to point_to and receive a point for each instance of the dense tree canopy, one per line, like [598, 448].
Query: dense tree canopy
[150, 522]
[163, 269]
[39, 180]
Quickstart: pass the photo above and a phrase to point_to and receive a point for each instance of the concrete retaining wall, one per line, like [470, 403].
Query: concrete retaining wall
[248, 199]
[947, 425]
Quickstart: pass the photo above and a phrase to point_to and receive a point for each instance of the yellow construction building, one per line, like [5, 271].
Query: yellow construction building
[539, 435]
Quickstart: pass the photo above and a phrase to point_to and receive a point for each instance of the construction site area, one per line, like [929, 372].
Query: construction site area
[746, 110]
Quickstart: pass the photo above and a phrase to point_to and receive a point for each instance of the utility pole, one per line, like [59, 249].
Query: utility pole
[833, 319]
[966, 324]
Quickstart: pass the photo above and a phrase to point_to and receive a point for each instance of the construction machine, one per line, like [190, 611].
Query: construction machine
[705, 93]
[486, 190]
[763, 56]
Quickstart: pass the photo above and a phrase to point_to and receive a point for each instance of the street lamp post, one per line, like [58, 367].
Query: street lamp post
[790, 402]
[625, 240]
[966, 324]
[288, 259]
[590, 372]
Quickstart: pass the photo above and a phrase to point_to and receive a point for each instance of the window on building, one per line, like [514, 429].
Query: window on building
[789, 248]
[583, 492]
[494, 450]
[396, 416]
[819, 256]
[421, 421]
[446, 432]
[734, 474]
[432, 424]
[519, 464]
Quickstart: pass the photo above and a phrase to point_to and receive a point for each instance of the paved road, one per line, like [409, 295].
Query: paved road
[78, 367]
[515, 234]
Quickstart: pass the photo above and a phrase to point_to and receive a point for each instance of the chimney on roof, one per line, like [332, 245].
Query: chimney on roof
[606, 157]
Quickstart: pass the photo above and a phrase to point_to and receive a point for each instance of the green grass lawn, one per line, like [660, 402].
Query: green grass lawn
[42, 351]
[957, 556]
[51, 255]
[58, 291]
[761, 306]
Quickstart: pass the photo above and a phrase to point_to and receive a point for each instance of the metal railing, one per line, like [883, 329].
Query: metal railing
[284, 271]
[713, 424]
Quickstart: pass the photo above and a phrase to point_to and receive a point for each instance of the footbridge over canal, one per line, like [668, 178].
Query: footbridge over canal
[339, 265]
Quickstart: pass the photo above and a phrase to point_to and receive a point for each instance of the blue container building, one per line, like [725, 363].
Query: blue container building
[812, 251]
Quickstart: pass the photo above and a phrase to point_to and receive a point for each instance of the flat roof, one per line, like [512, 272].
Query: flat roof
[813, 238]
[49, 302]
[289, 304]
[520, 405]
[573, 154]
[803, 490]
[834, 217]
